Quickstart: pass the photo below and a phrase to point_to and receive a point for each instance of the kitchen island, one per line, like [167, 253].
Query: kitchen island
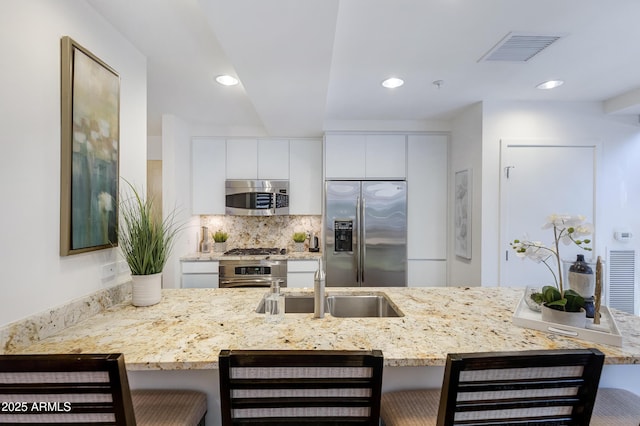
[176, 342]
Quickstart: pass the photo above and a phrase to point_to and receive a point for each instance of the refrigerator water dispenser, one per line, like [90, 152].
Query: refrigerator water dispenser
[343, 235]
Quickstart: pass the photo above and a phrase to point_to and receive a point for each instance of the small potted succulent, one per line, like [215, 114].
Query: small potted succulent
[220, 241]
[298, 239]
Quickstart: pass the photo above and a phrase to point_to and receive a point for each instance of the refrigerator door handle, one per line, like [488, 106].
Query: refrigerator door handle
[358, 242]
[364, 242]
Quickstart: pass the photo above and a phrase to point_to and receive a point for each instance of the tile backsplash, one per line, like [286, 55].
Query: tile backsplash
[267, 231]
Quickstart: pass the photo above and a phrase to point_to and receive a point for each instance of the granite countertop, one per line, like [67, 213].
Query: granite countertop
[197, 257]
[187, 329]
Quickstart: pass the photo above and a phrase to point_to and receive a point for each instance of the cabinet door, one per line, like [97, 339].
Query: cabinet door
[208, 157]
[199, 280]
[345, 156]
[242, 158]
[199, 274]
[273, 159]
[300, 273]
[386, 157]
[427, 197]
[305, 173]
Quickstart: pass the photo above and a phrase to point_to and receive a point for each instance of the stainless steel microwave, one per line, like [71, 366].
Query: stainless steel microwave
[257, 197]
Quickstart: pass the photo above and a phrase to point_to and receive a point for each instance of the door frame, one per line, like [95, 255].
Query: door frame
[505, 144]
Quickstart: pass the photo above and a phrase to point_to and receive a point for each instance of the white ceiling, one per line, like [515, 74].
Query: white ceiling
[304, 64]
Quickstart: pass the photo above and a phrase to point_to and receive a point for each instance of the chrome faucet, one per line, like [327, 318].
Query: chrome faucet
[318, 291]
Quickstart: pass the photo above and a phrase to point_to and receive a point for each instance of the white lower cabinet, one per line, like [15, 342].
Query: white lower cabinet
[300, 273]
[427, 273]
[199, 274]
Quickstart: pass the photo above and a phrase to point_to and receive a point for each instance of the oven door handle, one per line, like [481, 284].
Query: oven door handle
[258, 282]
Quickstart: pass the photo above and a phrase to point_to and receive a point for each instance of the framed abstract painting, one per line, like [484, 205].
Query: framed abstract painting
[90, 142]
[462, 214]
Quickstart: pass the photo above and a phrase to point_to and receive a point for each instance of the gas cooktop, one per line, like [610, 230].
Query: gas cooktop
[256, 251]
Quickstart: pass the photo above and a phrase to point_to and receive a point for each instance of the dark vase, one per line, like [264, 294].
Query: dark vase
[582, 281]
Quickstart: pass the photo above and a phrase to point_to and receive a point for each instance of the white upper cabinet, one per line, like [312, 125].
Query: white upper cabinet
[427, 197]
[345, 156]
[273, 159]
[257, 159]
[365, 156]
[208, 156]
[305, 173]
[386, 156]
[242, 159]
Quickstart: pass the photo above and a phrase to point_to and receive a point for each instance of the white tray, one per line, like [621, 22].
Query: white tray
[606, 332]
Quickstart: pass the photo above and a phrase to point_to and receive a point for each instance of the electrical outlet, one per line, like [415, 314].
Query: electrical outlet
[108, 271]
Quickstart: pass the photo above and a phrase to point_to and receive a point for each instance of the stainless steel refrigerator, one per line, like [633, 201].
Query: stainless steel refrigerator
[366, 233]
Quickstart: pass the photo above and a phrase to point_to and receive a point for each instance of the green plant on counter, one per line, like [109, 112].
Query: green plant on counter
[551, 297]
[145, 241]
[568, 229]
[220, 237]
[299, 237]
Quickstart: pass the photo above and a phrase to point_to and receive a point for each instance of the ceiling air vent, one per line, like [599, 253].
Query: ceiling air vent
[520, 47]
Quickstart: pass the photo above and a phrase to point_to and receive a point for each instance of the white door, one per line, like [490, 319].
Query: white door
[536, 181]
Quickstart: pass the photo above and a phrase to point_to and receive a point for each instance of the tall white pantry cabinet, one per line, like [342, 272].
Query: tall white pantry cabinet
[422, 160]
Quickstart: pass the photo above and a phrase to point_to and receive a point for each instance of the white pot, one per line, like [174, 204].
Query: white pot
[220, 247]
[147, 289]
[572, 319]
[298, 247]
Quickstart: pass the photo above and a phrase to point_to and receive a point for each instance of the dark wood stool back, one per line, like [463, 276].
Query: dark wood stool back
[300, 387]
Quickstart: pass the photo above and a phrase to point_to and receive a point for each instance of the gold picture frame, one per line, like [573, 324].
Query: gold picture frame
[90, 146]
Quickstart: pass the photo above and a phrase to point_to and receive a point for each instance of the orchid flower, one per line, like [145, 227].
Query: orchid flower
[566, 228]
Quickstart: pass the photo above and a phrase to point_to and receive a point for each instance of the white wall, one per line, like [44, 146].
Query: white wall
[618, 186]
[34, 276]
[466, 153]
[176, 192]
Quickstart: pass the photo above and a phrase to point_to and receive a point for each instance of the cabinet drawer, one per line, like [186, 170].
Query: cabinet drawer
[302, 265]
[201, 267]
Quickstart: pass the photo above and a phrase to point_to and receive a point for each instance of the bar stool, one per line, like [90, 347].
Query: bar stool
[545, 387]
[87, 389]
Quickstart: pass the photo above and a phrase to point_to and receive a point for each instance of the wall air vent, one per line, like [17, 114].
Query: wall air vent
[520, 47]
[622, 280]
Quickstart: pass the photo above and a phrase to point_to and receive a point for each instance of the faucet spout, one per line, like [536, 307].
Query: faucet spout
[318, 291]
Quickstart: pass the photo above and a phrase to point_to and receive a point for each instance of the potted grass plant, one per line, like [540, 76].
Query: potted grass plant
[146, 243]
[298, 239]
[220, 241]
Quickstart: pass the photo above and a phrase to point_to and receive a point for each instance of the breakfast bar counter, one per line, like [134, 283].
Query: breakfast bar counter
[188, 328]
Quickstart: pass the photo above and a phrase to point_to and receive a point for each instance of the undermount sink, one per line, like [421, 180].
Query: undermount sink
[342, 305]
[361, 305]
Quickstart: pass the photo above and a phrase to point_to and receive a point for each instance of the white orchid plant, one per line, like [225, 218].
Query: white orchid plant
[568, 230]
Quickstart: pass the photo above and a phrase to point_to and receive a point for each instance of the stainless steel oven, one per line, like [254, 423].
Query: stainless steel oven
[252, 273]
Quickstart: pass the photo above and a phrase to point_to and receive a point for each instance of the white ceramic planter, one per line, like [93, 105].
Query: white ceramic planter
[220, 247]
[298, 247]
[147, 289]
[572, 319]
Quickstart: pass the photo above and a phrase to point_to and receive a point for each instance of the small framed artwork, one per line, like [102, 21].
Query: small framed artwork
[90, 141]
[462, 213]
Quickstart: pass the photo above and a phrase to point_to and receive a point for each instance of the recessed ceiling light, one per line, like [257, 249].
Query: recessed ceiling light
[551, 84]
[393, 82]
[227, 80]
